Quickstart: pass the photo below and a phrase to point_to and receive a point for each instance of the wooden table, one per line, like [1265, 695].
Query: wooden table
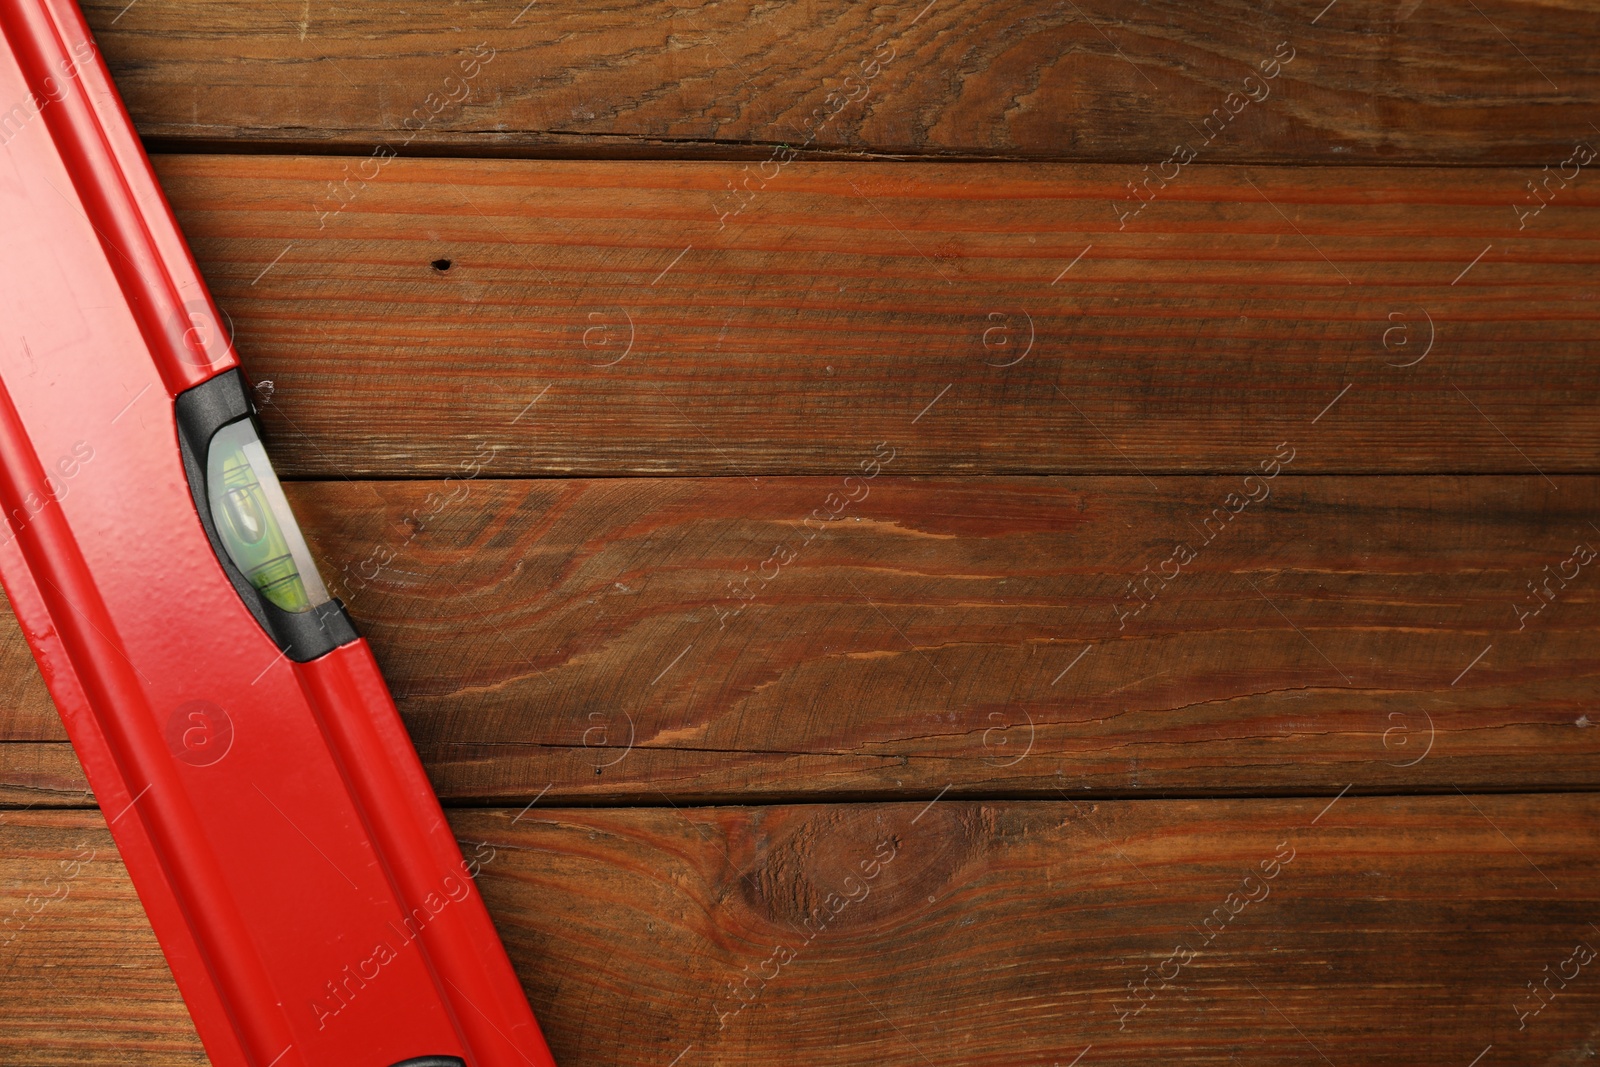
[1032, 533]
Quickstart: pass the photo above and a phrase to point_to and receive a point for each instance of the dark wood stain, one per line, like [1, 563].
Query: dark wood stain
[792, 511]
[1094, 80]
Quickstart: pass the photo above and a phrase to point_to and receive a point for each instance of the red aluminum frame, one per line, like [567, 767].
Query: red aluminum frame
[299, 873]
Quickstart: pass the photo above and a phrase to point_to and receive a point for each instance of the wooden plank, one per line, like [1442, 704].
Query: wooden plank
[983, 935]
[1093, 80]
[956, 312]
[41, 773]
[622, 639]
[81, 978]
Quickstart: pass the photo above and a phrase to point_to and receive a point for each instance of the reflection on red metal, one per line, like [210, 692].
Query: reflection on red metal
[309, 895]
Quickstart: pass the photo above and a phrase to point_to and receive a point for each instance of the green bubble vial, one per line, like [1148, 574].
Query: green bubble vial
[254, 522]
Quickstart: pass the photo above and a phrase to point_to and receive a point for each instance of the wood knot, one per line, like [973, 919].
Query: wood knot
[858, 868]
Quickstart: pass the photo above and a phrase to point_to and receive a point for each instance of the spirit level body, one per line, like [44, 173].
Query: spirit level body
[297, 869]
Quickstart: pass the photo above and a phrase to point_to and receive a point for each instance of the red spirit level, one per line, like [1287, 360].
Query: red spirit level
[309, 895]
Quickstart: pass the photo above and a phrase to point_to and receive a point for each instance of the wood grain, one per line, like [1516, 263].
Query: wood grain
[957, 312]
[621, 640]
[82, 979]
[1507, 81]
[985, 934]
[943, 667]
